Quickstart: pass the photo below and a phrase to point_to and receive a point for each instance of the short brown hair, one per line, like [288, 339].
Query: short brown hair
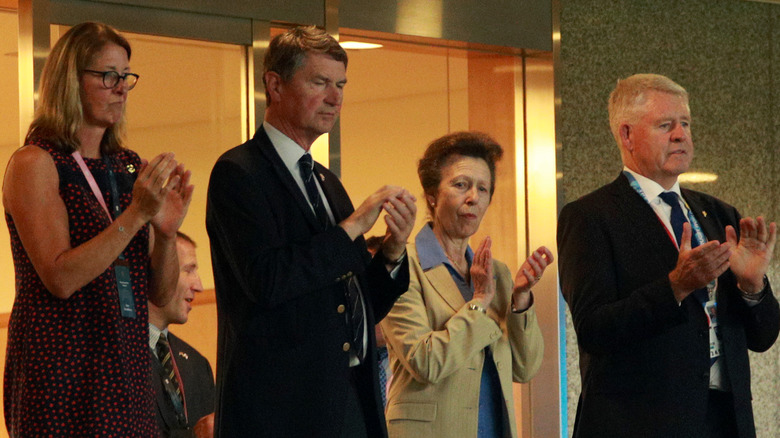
[443, 150]
[60, 112]
[185, 238]
[287, 51]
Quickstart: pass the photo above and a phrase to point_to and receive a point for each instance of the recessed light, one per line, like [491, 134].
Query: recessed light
[356, 45]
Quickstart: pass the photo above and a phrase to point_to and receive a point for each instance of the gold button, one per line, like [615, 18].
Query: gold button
[341, 308]
[346, 346]
[349, 274]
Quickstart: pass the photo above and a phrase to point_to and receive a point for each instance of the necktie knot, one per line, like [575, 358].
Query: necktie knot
[162, 346]
[670, 198]
[306, 164]
[306, 168]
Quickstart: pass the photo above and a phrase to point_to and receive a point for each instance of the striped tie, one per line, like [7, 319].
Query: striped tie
[353, 295]
[170, 381]
[355, 316]
[306, 168]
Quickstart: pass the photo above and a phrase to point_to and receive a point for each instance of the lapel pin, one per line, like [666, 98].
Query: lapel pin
[184, 355]
[704, 213]
[322, 177]
[131, 168]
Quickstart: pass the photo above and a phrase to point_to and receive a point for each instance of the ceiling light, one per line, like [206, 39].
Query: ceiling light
[356, 45]
[697, 177]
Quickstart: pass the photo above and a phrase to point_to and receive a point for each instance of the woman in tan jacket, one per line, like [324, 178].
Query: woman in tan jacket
[466, 329]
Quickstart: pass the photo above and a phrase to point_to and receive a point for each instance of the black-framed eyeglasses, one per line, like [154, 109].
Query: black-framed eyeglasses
[111, 78]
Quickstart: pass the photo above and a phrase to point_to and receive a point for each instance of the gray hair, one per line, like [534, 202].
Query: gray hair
[630, 94]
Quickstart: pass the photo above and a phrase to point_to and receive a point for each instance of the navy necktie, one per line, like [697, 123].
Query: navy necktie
[352, 293]
[306, 167]
[678, 219]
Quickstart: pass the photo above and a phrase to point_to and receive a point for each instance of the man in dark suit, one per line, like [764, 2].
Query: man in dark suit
[666, 286]
[297, 292]
[181, 377]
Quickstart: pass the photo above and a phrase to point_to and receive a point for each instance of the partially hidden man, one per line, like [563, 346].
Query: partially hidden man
[298, 294]
[667, 286]
[182, 378]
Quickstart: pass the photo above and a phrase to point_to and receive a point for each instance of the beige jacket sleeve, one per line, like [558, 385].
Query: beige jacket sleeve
[523, 332]
[433, 333]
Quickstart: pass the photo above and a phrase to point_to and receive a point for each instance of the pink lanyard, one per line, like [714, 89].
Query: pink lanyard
[92, 183]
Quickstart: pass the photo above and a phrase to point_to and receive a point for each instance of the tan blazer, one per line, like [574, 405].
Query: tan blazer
[437, 351]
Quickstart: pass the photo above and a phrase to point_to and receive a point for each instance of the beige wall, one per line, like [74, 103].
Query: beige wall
[9, 139]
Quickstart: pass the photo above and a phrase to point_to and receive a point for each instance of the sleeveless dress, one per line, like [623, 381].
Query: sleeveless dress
[76, 367]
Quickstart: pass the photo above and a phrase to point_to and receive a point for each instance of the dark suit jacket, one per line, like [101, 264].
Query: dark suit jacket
[644, 360]
[280, 285]
[198, 382]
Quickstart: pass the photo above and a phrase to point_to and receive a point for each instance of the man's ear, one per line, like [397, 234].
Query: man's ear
[625, 136]
[273, 84]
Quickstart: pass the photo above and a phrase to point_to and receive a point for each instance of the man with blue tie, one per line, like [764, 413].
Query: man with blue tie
[667, 286]
[298, 294]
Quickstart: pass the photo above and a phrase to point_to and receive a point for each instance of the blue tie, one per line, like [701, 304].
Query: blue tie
[306, 168]
[678, 218]
[352, 293]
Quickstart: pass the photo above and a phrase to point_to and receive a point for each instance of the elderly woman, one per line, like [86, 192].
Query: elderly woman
[465, 329]
[79, 208]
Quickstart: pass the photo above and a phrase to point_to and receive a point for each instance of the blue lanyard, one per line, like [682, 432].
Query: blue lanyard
[698, 234]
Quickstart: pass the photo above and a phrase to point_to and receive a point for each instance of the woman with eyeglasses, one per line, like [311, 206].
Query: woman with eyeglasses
[93, 232]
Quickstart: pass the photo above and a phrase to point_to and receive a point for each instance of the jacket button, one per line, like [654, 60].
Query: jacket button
[346, 346]
[341, 308]
[349, 274]
[705, 376]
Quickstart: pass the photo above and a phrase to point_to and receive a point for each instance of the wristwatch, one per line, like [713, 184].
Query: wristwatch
[477, 307]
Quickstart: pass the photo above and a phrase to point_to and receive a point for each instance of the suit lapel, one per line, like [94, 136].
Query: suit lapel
[705, 218]
[441, 280]
[267, 150]
[340, 207]
[641, 220]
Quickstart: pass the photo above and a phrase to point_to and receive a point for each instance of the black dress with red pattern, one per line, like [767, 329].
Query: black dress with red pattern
[75, 367]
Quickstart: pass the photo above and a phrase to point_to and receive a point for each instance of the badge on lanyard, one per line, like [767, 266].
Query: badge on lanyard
[125, 288]
[711, 308]
[121, 267]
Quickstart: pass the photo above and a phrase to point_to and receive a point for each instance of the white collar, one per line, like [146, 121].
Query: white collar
[288, 150]
[651, 188]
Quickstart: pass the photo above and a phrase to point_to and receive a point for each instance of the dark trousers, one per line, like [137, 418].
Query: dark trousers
[721, 419]
[354, 416]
